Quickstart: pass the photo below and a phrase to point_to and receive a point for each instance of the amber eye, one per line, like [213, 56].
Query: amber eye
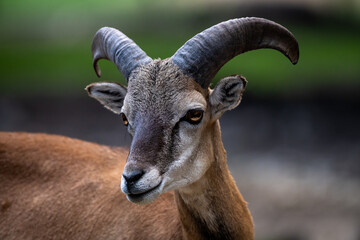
[126, 122]
[194, 116]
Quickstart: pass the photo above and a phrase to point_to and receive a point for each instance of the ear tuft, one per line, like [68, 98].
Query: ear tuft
[111, 95]
[227, 94]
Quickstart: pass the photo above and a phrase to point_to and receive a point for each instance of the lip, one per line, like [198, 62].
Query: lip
[139, 197]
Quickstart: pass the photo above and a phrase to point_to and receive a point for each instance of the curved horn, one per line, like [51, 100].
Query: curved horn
[111, 44]
[203, 55]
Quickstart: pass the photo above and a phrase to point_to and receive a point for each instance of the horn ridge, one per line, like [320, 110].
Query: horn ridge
[111, 44]
[202, 56]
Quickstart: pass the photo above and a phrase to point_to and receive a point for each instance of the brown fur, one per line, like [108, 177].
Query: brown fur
[54, 187]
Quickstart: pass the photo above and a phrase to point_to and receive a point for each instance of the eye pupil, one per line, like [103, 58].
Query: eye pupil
[194, 116]
[125, 121]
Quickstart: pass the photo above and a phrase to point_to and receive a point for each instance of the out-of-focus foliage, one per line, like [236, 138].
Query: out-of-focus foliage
[45, 45]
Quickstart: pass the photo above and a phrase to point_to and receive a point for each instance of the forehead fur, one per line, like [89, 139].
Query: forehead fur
[161, 85]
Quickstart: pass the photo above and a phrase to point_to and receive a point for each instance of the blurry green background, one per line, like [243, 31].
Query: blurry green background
[294, 142]
[45, 45]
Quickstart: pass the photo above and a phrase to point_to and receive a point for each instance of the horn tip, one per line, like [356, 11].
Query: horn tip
[293, 53]
[294, 60]
[97, 69]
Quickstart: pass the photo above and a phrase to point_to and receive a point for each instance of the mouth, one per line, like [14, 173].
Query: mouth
[145, 197]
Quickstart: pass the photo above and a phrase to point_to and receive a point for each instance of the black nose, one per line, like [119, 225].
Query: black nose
[133, 176]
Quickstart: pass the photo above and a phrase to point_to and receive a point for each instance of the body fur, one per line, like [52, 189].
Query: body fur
[73, 193]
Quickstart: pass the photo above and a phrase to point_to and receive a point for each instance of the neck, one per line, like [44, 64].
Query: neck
[212, 207]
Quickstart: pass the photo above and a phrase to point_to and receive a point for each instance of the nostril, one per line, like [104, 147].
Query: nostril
[133, 176]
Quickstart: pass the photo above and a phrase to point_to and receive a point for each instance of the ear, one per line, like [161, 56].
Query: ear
[111, 95]
[226, 95]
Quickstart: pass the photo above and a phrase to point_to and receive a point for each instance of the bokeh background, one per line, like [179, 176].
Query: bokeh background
[294, 142]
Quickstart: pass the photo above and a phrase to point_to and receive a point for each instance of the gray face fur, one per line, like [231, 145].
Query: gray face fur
[167, 152]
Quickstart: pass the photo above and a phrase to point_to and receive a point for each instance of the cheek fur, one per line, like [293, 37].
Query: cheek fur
[189, 165]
